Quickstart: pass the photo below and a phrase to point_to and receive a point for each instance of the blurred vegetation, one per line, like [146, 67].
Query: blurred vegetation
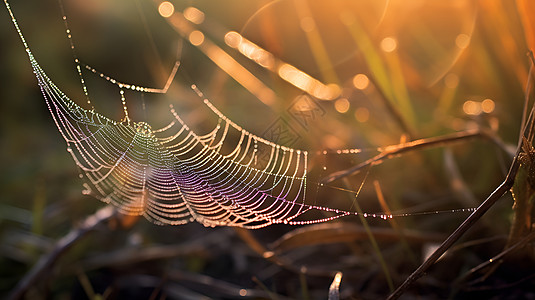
[435, 67]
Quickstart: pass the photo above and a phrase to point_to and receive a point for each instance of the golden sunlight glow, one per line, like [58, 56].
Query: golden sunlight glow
[362, 114]
[194, 15]
[166, 9]
[196, 38]
[487, 106]
[361, 81]
[341, 105]
[472, 107]
[462, 40]
[389, 44]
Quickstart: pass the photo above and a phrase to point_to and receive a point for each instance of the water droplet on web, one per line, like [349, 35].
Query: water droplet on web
[86, 190]
[140, 148]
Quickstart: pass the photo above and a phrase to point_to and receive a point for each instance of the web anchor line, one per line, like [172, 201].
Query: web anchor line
[134, 87]
[174, 175]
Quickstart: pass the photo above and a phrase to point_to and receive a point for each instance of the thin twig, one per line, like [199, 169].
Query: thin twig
[63, 245]
[467, 224]
[528, 238]
[420, 144]
[255, 245]
[372, 239]
[505, 186]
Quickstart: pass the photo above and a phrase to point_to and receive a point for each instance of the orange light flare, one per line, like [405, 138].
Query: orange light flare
[307, 83]
[250, 50]
[291, 74]
[184, 24]
[194, 15]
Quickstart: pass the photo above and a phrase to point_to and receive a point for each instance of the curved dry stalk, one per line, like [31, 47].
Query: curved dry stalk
[528, 238]
[396, 150]
[467, 224]
[341, 232]
[46, 262]
[527, 129]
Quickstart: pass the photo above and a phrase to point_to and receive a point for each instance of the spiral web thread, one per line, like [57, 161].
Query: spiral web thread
[173, 175]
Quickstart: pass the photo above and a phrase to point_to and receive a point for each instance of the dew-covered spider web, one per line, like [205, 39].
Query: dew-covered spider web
[172, 175]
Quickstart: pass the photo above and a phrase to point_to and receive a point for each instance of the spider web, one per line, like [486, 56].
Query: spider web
[173, 175]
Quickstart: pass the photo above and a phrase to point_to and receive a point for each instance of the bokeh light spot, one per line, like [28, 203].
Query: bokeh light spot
[487, 106]
[194, 15]
[389, 44]
[451, 80]
[233, 39]
[166, 9]
[361, 81]
[196, 38]
[462, 40]
[341, 105]
[472, 107]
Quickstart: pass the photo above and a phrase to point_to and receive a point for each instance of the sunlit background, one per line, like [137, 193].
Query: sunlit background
[314, 75]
